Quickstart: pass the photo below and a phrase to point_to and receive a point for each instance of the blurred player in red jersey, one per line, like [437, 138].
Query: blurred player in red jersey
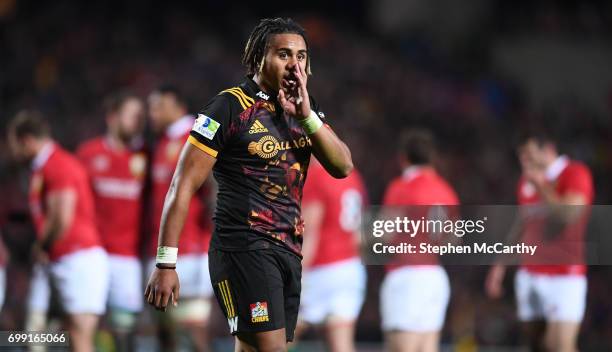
[170, 120]
[416, 290]
[116, 166]
[334, 280]
[551, 299]
[68, 242]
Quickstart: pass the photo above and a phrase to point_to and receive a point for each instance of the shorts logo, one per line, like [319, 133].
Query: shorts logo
[233, 324]
[259, 312]
[257, 127]
[206, 126]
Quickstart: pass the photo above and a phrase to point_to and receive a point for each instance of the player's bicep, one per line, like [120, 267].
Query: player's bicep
[193, 168]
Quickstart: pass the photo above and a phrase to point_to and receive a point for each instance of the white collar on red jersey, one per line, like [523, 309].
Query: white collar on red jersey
[43, 155]
[413, 171]
[179, 127]
[556, 168]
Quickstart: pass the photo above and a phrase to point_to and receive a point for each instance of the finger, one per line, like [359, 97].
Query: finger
[175, 295]
[147, 290]
[281, 97]
[164, 301]
[151, 296]
[158, 296]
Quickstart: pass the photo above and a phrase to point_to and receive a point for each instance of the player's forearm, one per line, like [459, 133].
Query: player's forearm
[563, 209]
[333, 154]
[176, 207]
[191, 171]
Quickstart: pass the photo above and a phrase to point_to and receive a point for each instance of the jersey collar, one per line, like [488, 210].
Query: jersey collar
[415, 170]
[43, 155]
[256, 92]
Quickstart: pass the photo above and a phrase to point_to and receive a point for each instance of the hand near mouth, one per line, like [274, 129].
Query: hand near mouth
[293, 95]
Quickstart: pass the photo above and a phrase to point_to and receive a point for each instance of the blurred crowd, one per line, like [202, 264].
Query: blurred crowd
[63, 58]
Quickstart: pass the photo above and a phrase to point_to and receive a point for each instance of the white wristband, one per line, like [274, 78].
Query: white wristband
[312, 123]
[166, 255]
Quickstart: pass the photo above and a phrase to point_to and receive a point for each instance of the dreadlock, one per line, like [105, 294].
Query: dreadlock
[255, 50]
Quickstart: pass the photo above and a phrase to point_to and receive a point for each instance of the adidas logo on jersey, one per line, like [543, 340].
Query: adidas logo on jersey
[257, 127]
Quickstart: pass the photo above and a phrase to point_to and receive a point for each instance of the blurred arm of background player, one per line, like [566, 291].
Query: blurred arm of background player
[495, 277]
[312, 213]
[60, 213]
[192, 170]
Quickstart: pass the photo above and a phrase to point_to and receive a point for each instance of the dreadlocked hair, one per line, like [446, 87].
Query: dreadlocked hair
[255, 49]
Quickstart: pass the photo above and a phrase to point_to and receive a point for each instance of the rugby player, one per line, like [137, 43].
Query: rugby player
[551, 299]
[416, 289]
[257, 137]
[116, 165]
[172, 123]
[334, 281]
[68, 243]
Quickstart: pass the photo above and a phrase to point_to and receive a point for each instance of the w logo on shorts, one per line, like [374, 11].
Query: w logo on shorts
[233, 324]
[232, 317]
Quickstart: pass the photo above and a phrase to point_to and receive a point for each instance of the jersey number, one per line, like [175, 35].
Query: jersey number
[351, 207]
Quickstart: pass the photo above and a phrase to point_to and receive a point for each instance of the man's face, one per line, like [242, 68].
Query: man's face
[533, 155]
[162, 109]
[284, 52]
[129, 119]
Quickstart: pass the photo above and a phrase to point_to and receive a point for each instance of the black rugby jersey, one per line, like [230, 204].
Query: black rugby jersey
[262, 159]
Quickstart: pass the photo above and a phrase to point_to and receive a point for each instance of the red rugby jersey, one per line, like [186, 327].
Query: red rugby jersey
[343, 201]
[567, 176]
[116, 176]
[56, 170]
[419, 186]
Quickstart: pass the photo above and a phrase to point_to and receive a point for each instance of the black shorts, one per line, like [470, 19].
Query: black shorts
[258, 290]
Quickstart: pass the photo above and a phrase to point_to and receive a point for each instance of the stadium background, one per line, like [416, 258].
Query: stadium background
[475, 72]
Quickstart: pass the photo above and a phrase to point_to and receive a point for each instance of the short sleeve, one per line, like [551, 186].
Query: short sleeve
[210, 132]
[577, 179]
[59, 179]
